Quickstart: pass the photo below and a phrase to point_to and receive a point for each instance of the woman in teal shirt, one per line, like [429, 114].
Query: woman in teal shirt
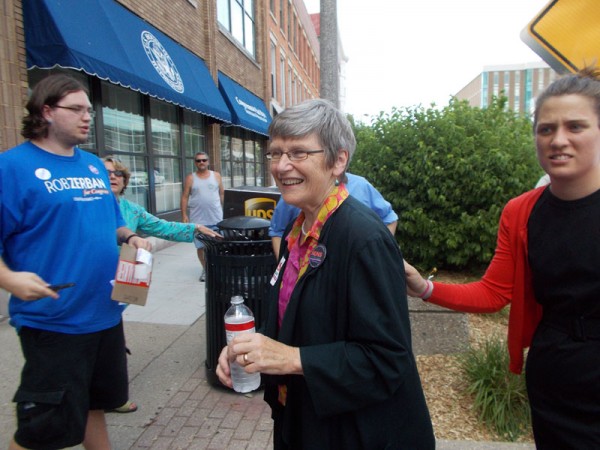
[140, 220]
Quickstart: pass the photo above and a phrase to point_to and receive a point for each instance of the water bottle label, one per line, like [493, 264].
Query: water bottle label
[237, 327]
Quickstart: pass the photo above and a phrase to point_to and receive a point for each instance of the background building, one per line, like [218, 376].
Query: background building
[167, 79]
[520, 83]
[293, 63]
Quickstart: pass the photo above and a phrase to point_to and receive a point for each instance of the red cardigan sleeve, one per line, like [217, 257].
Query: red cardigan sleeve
[493, 291]
[506, 280]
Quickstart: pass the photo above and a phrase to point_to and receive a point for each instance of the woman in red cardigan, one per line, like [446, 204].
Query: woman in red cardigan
[547, 267]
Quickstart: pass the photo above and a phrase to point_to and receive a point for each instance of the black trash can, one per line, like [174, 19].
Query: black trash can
[240, 264]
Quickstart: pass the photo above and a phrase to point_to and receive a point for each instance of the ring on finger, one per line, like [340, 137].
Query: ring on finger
[245, 357]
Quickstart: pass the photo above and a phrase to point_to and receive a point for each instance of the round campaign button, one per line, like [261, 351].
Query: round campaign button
[317, 256]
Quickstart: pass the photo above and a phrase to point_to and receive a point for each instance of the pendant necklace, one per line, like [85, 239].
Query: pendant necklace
[304, 232]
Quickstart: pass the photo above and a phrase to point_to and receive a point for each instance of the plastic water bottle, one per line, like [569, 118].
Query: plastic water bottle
[239, 319]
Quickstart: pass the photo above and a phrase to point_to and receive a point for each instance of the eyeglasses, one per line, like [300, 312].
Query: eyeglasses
[116, 173]
[201, 160]
[293, 155]
[79, 110]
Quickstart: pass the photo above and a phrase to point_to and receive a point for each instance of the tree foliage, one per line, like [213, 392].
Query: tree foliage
[448, 173]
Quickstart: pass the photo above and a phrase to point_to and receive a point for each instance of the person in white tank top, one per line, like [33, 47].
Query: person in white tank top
[203, 194]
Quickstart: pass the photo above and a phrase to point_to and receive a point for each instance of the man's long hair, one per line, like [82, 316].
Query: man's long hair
[49, 91]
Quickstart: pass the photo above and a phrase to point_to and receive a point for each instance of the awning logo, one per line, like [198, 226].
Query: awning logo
[161, 61]
[251, 110]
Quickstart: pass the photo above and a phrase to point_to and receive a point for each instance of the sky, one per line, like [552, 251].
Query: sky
[410, 52]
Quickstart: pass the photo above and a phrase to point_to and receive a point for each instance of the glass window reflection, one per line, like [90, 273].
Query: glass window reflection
[123, 118]
[167, 183]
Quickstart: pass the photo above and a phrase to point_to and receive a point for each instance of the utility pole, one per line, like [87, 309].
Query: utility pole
[328, 42]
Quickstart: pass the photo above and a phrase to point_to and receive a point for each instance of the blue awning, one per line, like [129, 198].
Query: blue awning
[106, 40]
[248, 110]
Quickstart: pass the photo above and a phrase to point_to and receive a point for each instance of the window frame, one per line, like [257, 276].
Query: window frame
[237, 18]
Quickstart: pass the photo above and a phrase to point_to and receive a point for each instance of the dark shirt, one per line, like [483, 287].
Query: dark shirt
[349, 317]
[564, 254]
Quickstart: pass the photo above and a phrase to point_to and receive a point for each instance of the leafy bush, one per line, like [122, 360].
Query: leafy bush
[500, 396]
[448, 173]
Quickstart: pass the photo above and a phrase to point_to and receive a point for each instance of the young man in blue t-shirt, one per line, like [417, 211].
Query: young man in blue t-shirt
[58, 225]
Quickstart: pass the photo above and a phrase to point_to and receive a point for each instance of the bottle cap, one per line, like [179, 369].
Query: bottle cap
[237, 299]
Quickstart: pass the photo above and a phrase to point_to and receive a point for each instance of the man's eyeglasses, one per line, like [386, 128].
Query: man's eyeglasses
[293, 155]
[201, 160]
[79, 110]
[116, 173]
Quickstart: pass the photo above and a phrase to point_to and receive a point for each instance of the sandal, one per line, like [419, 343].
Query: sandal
[128, 407]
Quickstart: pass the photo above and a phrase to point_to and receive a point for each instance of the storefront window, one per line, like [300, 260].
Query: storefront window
[241, 158]
[165, 142]
[237, 160]
[137, 190]
[167, 183]
[194, 138]
[124, 137]
[123, 120]
[259, 162]
[249, 162]
[165, 129]
[226, 160]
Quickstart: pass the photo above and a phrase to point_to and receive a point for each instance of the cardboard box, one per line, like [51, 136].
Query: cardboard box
[134, 272]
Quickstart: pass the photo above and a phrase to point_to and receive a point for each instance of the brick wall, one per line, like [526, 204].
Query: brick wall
[192, 23]
[179, 19]
[196, 28]
[13, 74]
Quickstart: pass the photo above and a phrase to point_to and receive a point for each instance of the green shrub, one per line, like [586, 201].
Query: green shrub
[500, 397]
[448, 173]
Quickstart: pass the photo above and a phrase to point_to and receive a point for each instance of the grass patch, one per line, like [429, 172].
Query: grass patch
[501, 316]
[500, 397]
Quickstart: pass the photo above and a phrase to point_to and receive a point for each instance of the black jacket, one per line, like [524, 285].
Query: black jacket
[349, 316]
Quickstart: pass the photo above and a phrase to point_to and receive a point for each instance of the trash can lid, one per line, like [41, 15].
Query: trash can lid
[243, 223]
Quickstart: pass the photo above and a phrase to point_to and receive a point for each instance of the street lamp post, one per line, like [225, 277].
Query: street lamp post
[328, 42]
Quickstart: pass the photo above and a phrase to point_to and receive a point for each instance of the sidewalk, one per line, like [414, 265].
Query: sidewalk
[178, 408]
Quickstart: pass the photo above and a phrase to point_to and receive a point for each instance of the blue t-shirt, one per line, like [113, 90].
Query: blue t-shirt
[58, 219]
[357, 186]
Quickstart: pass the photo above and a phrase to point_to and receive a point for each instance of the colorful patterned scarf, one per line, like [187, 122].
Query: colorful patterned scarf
[332, 202]
[301, 249]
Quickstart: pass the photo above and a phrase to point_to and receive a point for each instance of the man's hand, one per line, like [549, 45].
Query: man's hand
[27, 286]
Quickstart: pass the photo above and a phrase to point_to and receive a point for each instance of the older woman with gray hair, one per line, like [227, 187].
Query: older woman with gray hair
[335, 349]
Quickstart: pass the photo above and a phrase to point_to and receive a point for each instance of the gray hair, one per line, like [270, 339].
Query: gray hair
[320, 117]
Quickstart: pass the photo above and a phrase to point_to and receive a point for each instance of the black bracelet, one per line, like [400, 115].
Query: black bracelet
[129, 237]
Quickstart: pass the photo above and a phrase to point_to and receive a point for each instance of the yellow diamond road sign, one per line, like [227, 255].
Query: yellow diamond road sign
[566, 34]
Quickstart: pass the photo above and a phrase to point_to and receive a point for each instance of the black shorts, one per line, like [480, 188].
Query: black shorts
[64, 377]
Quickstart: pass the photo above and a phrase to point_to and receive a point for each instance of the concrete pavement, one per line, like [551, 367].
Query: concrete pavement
[178, 408]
